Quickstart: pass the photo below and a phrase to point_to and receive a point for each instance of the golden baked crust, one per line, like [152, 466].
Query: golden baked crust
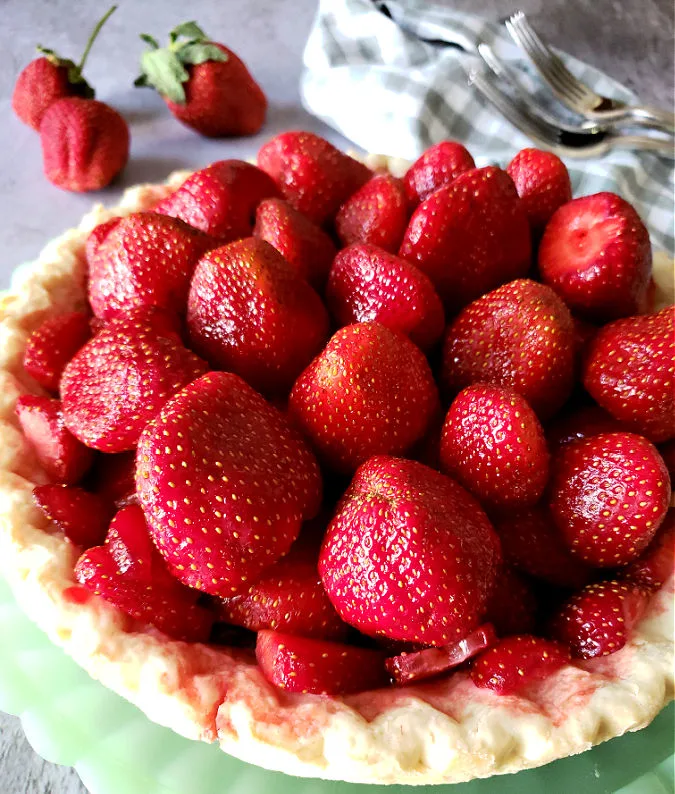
[445, 732]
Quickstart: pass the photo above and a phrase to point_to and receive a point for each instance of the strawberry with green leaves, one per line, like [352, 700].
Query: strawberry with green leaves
[204, 84]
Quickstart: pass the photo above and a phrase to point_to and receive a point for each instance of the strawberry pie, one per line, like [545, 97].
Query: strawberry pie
[360, 469]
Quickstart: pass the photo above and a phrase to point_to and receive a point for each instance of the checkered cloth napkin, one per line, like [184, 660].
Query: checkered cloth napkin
[392, 94]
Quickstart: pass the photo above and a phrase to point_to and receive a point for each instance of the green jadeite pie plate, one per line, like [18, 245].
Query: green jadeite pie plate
[71, 719]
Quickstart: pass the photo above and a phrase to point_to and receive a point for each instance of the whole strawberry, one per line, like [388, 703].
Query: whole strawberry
[583, 422]
[225, 483]
[221, 199]
[120, 379]
[146, 259]
[50, 78]
[302, 243]
[438, 166]
[596, 254]
[609, 494]
[369, 392]
[51, 346]
[630, 371]
[470, 236]
[377, 214]
[250, 313]
[410, 555]
[519, 336]
[493, 444]
[85, 144]
[83, 517]
[543, 184]
[366, 283]
[512, 608]
[314, 176]
[204, 84]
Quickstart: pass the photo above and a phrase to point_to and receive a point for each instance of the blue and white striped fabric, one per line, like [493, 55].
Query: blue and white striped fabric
[392, 94]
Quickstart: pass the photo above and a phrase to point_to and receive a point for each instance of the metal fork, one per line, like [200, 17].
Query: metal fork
[577, 96]
[552, 137]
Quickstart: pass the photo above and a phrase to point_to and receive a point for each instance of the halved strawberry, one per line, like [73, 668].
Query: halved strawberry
[302, 243]
[377, 214]
[598, 620]
[519, 336]
[609, 494]
[314, 176]
[60, 454]
[470, 236]
[533, 544]
[120, 379]
[225, 483]
[221, 199]
[630, 371]
[369, 392]
[82, 516]
[51, 346]
[249, 312]
[113, 477]
[512, 608]
[290, 598]
[410, 555]
[438, 166]
[493, 444]
[543, 184]
[584, 422]
[419, 665]
[516, 662]
[596, 254]
[367, 283]
[656, 564]
[146, 259]
[318, 667]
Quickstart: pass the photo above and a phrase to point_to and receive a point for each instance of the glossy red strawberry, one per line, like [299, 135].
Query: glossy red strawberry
[410, 555]
[596, 254]
[366, 283]
[221, 199]
[290, 598]
[630, 371]
[82, 516]
[147, 259]
[583, 422]
[470, 236]
[314, 176]
[127, 573]
[50, 78]
[656, 564]
[516, 662]
[493, 443]
[249, 312]
[61, 455]
[512, 608]
[438, 166]
[598, 620]
[51, 346]
[204, 84]
[369, 392]
[532, 543]
[120, 379]
[85, 144]
[302, 243]
[609, 494]
[377, 214]
[543, 184]
[318, 667]
[430, 662]
[97, 235]
[225, 483]
[519, 336]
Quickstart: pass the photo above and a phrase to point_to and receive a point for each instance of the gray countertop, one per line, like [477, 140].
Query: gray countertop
[630, 40]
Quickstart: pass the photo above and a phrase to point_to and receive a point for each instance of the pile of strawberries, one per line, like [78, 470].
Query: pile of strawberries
[380, 428]
[85, 143]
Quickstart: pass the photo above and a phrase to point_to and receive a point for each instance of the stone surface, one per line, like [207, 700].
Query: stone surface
[631, 41]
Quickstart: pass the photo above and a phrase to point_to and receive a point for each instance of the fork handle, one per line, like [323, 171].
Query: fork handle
[642, 115]
[644, 143]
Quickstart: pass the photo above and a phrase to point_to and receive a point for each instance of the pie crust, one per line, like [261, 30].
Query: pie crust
[448, 731]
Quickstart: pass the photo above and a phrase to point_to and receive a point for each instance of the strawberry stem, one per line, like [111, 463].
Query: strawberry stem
[94, 34]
